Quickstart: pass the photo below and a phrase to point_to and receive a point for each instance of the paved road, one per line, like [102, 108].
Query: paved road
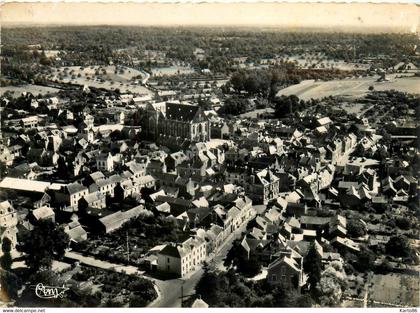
[170, 290]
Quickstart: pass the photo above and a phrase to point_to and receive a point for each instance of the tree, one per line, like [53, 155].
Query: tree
[9, 284]
[365, 260]
[43, 244]
[286, 105]
[6, 259]
[332, 284]
[355, 228]
[398, 246]
[312, 265]
[207, 287]
[6, 245]
[234, 106]
[403, 222]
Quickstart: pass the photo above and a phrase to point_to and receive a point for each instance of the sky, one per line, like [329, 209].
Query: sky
[364, 15]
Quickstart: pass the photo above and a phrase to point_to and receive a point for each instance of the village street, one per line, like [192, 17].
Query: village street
[171, 290]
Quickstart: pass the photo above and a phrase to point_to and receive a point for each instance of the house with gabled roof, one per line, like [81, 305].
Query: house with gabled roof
[285, 271]
[70, 194]
[181, 259]
[42, 213]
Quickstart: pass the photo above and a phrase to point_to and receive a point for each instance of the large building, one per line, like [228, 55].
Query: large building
[182, 258]
[176, 123]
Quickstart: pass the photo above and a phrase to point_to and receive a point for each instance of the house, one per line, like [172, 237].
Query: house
[345, 244]
[70, 194]
[147, 181]
[92, 200]
[75, 232]
[113, 221]
[8, 222]
[314, 222]
[105, 162]
[6, 155]
[175, 159]
[181, 259]
[323, 122]
[286, 271]
[43, 213]
[29, 122]
[262, 186]
[219, 129]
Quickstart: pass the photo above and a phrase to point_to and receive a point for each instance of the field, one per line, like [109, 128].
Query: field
[108, 77]
[33, 89]
[349, 88]
[321, 61]
[395, 289]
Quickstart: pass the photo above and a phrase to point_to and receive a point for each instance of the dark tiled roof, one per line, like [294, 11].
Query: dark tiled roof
[181, 112]
[75, 187]
[170, 250]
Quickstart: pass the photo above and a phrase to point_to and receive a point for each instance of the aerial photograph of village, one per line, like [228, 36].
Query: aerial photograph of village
[178, 156]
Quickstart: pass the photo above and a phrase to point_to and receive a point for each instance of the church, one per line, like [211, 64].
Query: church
[176, 124]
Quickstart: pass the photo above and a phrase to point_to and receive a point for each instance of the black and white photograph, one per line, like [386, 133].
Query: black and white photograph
[209, 155]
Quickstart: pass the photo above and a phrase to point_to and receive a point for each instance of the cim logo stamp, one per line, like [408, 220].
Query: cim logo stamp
[50, 292]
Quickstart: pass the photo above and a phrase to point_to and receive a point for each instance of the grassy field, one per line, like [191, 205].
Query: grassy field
[108, 77]
[34, 89]
[396, 289]
[349, 88]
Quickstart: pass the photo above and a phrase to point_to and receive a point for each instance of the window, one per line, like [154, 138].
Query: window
[168, 260]
[274, 277]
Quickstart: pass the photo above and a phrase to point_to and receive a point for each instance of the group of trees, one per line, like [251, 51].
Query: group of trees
[237, 257]
[399, 246]
[234, 105]
[41, 246]
[45, 243]
[8, 279]
[332, 284]
[228, 289]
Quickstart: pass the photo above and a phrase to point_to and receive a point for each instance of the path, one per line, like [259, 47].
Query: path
[87, 260]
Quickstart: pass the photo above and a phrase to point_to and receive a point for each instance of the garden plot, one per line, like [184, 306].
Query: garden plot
[396, 289]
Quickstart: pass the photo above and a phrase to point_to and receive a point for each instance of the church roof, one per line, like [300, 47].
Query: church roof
[181, 112]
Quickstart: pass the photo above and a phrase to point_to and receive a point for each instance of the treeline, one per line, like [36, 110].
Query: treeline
[81, 45]
[266, 82]
[218, 41]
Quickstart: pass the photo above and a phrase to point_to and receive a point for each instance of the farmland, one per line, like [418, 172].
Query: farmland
[349, 88]
[108, 77]
[394, 288]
